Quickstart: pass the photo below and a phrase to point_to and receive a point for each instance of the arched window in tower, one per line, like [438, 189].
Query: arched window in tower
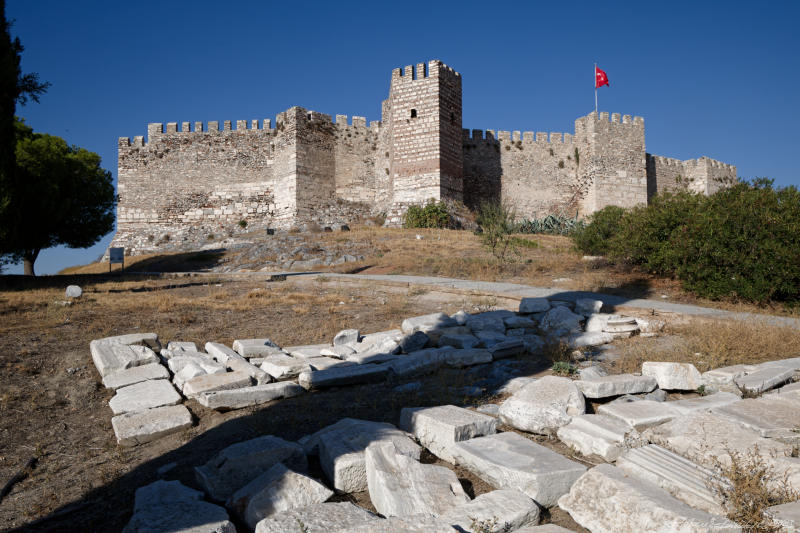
[413, 113]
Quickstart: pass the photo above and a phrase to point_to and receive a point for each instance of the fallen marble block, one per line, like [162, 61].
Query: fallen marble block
[588, 306]
[276, 490]
[590, 338]
[324, 363]
[370, 357]
[623, 326]
[510, 461]
[615, 385]
[178, 346]
[486, 322]
[237, 465]
[673, 376]
[169, 506]
[543, 405]
[412, 342]
[724, 376]
[255, 347]
[511, 347]
[593, 371]
[236, 362]
[371, 339]
[533, 305]
[786, 516]
[472, 356]
[132, 429]
[438, 428]
[426, 323]
[435, 334]
[112, 357]
[506, 510]
[769, 416]
[418, 363]
[149, 340]
[187, 372]
[136, 374]
[604, 499]
[224, 400]
[319, 518]
[561, 319]
[460, 341]
[144, 395]
[306, 351]
[216, 382]
[341, 449]
[418, 523]
[764, 378]
[177, 362]
[337, 352]
[490, 338]
[346, 336]
[595, 323]
[640, 415]
[401, 486]
[704, 403]
[685, 480]
[344, 375]
[516, 321]
[598, 435]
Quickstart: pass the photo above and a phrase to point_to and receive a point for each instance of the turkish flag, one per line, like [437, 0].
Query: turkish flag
[600, 78]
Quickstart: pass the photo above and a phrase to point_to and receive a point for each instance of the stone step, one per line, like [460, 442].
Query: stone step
[597, 435]
[641, 414]
[438, 428]
[685, 480]
[511, 461]
[605, 499]
[615, 385]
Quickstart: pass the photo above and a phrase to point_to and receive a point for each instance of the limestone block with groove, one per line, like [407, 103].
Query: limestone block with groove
[438, 428]
[726, 375]
[238, 464]
[597, 435]
[640, 415]
[149, 340]
[685, 480]
[276, 490]
[673, 376]
[605, 500]
[510, 461]
[505, 507]
[144, 395]
[320, 518]
[215, 382]
[400, 485]
[171, 506]
[247, 396]
[543, 406]
[136, 428]
[615, 385]
[136, 374]
[111, 357]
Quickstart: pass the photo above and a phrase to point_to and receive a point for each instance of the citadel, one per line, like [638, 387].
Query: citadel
[184, 185]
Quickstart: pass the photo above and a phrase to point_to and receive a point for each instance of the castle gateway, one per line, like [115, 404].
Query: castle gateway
[184, 185]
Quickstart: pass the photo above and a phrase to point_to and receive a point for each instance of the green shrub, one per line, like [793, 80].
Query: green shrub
[594, 238]
[551, 224]
[496, 222]
[432, 215]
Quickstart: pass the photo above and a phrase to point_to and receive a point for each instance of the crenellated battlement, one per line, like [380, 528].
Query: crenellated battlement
[157, 130]
[525, 137]
[432, 69]
[700, 161]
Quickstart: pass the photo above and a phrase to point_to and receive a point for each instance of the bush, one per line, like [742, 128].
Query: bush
[594, 238]
[551, 224]
[496, 221]
[432, 215]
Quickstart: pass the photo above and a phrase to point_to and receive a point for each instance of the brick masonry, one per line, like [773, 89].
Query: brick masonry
[186, 186]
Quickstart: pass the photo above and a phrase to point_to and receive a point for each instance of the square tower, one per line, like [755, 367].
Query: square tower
[424, 116]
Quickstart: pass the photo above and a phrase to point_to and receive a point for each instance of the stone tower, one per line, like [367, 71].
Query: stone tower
[423, 113]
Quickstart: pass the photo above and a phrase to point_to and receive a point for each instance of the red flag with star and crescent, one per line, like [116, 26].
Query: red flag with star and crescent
[600, 78]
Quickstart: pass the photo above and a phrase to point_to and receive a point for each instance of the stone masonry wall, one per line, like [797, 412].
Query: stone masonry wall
[703, 175]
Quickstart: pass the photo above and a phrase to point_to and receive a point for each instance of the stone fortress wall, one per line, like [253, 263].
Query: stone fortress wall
[190, 186]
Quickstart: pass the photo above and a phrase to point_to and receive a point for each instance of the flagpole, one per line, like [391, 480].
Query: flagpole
[595, 88]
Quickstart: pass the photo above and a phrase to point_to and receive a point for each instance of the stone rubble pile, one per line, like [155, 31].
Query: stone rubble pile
[659, 457]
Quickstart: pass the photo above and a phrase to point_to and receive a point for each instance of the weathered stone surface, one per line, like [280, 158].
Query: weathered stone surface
[605, 500]
[593, 371]
[346, 336]
[704, 403]
[486, 322]
[135, 374]
[597, 322]
[657, 395]
[787, 516]
[764, 378]
[707, 439]
[438, 428]
[319, 518]
[510, 347]
[673, 376]
[187, 372]
[590, 338]
[510, 461]
[769, 416]
[182, 358]
[418, 523]
[597, 435]
[519, 322]
[236, 362]
[543, 405]
[588, 306]
[472, 356]
[561, 319]
[282, 366]
[73, 291]
[110, 357]
[426, 323]
[461, 317]
[514, 384]
[412, 342]
[247, 396]
[149, 340]
[216, 382]
[641, 414]
[371, 339]
[401, 486]
[546, 528]
[343, 375]
[685, 480]
[615, 385]
[256, 347]
[459, 341]
[337, 352]
[237, 465]
[276, 490]
[489, 338]
[533, 305]
[179, 346]
[341, 449]
[507, 510]
[419, 363]
[791, 387]
[306, 351]
[144, 395]
[136, 428]
[726, 375]
[435, 334]
[170, 507]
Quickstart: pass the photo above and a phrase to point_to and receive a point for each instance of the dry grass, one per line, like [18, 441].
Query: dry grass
[711, 344]
[754, 486]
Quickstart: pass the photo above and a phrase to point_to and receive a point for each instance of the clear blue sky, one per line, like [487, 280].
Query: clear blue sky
[720, 79]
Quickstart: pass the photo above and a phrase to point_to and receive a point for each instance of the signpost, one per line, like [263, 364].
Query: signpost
[116, 255]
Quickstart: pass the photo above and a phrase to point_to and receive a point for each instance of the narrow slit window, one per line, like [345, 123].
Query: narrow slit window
[413, 113]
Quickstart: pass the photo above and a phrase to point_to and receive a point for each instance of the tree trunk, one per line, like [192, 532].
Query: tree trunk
[28, 260]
